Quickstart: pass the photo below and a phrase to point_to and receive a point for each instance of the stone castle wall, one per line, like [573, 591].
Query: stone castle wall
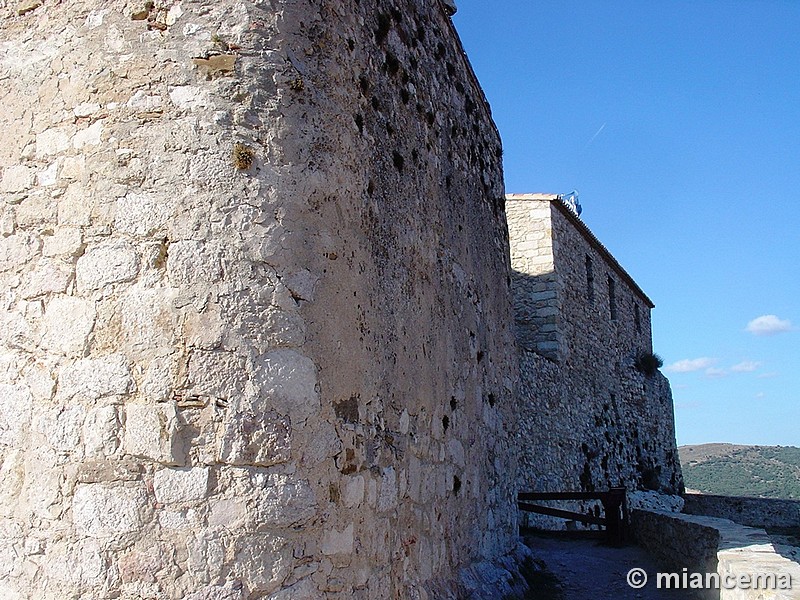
[589, 418]
[255, 334]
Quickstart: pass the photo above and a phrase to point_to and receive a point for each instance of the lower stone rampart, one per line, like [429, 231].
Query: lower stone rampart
[586, 430]
[754, 512]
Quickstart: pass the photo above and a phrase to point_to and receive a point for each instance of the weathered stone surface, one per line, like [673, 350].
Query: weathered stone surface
[110, 262]
[280, 500]
[338, 542]
[15, 413]
[288, 384]
[151, 432]
[142, 214]
[94, 378]
[181, 485]
[251, 439]
[101, 511]
[67, 323]
[65, 241]
[262, 561]
[206, 320]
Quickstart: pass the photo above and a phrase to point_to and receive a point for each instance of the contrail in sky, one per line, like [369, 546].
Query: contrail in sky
[589, 143]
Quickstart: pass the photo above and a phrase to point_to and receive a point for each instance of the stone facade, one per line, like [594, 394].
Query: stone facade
[255, 308]
[589, 419]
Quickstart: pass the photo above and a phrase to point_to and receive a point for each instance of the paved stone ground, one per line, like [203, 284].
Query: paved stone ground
[587, 569]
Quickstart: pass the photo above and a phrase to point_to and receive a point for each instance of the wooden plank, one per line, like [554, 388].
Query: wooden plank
[564, 514]
[561, 495]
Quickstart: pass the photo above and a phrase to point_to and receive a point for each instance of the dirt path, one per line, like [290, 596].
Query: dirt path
[585, 569]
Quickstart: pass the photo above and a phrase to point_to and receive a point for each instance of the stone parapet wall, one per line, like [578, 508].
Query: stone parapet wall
[747, 565]
[677, 543]
[255, 316]
[754, 512]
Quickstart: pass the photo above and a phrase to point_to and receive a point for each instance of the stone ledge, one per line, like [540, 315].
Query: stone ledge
[709, 544]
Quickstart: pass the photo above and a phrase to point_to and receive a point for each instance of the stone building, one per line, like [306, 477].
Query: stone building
[591, 415]
[256, 334]
[255, 309]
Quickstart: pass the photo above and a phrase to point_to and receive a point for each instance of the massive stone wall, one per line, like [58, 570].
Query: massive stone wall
[588, 418]
[255, 334]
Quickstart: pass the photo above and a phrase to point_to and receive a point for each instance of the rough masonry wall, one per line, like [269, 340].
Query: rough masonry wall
[590, 419]
[534, 288]
[255, 336]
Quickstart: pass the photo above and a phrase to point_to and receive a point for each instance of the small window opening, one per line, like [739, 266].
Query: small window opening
[612, 299]
[589, 280]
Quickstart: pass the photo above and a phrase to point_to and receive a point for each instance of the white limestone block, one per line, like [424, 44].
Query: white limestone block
[387, 499]
[142, 214]
[16, 178]
[51, 141]
[262, 561]
[101, 431]
[227, 513]
[251, 439]
[338, 542]
[159, 378]
[15, 413]
[91, 136]
[287, 380]
[110, 262]
[181, 485]
[67, 323]
[65, 241]
[205, 557]
[102, 511]
[189, 96]
[94, 378]
[150, 432]
[216, 373]
[86, 109]
[17, 249]
[74, 207]
[49, 277]
[148, 317]
[281, 500]
[49, 175]
[62, 427]
[191, 262]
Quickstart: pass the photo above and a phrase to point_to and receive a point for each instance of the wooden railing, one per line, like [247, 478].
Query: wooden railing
[614, 509]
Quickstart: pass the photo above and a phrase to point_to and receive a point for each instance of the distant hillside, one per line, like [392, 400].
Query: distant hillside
[731, 470]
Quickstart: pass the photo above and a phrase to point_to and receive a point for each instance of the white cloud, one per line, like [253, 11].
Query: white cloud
[716, 373]
[767, 375]
[747, 366]
[760, 395]
[687, 365]
[768, 325]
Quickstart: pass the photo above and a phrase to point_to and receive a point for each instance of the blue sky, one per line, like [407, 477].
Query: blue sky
[679, 124]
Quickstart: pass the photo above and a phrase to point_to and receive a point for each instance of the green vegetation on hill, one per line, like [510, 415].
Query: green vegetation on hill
[729, 470]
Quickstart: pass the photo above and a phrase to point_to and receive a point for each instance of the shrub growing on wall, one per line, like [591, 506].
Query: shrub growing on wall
[648, 363]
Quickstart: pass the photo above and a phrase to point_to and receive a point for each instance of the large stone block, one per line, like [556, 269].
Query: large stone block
[287, 381]
[102, 511]
[181, 485]
[67, 323]
[93, 378]
[142, 214]
[15, 413]
[151, 432]
[110, 262]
